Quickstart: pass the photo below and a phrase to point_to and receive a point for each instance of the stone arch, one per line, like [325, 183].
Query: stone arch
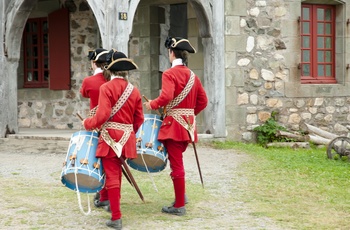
[203, 10]
[210, 17]
[99, 14]
[214, 115]
[17, 13]
[132, 11]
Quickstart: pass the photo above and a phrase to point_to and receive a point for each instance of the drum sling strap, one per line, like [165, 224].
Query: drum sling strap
[178, 113]
[127, 128]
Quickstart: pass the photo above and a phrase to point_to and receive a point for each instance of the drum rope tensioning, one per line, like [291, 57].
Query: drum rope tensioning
[77, 186]
[152, 155]
[78, 196]
[82, 171]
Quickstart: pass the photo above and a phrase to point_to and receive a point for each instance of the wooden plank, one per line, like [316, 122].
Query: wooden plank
[320, 132]
[304, 145]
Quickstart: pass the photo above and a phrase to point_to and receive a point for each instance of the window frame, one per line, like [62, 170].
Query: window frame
[40, 46]
[313, 61]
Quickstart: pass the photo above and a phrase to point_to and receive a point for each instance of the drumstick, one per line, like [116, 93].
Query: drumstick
[80, 117]
[145, 98]
[148, 101]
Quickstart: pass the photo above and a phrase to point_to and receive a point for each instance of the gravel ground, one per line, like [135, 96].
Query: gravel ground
[40, 160]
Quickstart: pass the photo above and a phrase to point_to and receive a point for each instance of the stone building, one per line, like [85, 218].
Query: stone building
[254, 57]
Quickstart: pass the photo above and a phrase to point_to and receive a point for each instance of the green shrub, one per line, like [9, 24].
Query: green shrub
[266, 133]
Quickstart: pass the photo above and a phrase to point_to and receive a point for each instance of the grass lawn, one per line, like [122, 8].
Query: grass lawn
[301, 189]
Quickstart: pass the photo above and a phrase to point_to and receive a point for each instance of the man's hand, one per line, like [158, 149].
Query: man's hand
[148, 105]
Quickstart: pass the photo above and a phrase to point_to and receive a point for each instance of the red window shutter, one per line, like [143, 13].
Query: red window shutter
[59, 50]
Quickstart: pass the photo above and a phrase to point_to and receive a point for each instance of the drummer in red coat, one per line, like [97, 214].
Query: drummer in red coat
[90, 87]
[119, 115]
[183, 97]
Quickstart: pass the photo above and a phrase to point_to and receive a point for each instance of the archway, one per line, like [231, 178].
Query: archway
[15, 15]
[36, 107]
[214, 115]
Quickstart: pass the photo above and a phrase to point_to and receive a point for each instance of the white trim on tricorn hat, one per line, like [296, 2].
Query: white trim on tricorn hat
[98, 55]
[178, 43]
[120, 63]
[101, 57]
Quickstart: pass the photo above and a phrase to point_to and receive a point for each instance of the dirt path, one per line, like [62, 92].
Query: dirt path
[221, 174]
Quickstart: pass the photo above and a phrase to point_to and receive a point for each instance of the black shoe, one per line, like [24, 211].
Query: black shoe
[101, 204]
[97, 196]
[116, 224]
[174, 211]
[186, 201]
[107, 208]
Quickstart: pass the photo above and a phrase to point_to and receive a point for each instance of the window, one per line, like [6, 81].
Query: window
[317, 44]
[47, 53]
[36, 53]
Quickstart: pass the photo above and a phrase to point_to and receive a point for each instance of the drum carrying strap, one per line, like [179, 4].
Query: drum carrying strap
[178, 113]
[117, 106]
[116, 146]
[127, 128]
[93, 111]
[126, 94]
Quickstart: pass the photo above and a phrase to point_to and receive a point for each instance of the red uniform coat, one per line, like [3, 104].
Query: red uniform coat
[130, 113]
[174, 81]
[90, 88]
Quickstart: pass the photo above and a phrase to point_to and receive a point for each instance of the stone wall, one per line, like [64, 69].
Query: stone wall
[262, 55]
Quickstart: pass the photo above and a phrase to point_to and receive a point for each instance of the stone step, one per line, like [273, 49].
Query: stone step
[13, 145]
[49, 141]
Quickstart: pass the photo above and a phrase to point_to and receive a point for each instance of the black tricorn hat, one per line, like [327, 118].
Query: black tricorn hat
[98, 55]
[117, 61]
[109, 57]
[179, 43]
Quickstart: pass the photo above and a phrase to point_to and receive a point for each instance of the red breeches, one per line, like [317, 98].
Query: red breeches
[175, 155]
[111, 190]
[113, 171]
[175, 150]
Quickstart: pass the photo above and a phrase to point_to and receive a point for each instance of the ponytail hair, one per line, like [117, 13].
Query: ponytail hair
[182, 54]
